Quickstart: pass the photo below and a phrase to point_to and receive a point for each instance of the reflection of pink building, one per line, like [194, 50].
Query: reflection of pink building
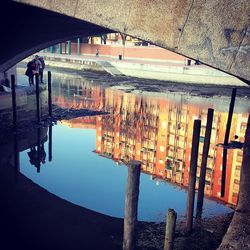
[158, 133]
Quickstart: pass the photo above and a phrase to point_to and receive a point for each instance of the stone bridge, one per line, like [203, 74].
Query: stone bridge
[215, 32]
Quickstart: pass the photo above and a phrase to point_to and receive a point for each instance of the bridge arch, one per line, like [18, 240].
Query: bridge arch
[215, 32]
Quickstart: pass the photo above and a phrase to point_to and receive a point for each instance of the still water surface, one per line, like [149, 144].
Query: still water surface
[81, 176]
[89, 154]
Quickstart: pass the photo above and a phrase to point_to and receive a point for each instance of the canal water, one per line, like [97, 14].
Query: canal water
[84, 161]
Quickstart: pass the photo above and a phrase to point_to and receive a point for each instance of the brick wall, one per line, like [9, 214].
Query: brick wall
[139, 52]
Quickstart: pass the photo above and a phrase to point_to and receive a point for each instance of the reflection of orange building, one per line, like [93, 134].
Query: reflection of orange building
[158, 133]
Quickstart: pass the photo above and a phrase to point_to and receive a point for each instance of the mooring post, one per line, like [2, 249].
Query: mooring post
[49, 94]
[50, 143]
[192, 176]
[131, 205]
[224, 160]
[202, 179]
[170, 229]
[37, 99]
[13, 92]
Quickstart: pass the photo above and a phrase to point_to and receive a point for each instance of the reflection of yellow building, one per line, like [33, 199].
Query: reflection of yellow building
[158, 133]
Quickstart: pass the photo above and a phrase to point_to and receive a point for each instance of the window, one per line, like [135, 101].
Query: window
[162, 149]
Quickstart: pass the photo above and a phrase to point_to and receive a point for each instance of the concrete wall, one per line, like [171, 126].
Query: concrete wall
[26, 107]
[7, 75]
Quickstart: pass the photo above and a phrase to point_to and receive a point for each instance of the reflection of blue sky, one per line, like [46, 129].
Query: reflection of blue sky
[80, 176]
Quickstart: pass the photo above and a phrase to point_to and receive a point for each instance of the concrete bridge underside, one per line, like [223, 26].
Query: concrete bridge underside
[215, 32]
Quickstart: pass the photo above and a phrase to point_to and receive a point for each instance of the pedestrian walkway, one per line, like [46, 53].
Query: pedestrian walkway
[174, 71]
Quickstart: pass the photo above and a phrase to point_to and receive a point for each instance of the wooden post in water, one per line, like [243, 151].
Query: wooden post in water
[50, 143]
[192, 176]
[49, 94]
[170, 229]
[37, 99]
[224, 161]
[202, 179]
[13, 92]
[131, 205]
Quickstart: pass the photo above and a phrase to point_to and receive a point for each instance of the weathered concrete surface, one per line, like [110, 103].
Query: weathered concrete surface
[238, 233]
[215, 32]
[26, 106]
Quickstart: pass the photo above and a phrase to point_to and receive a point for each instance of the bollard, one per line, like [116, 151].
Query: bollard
[202, 179]
[37, 99]
[49, 94]
[192, 176]
[50, 143]
[13, 92]
[224, 160]
[170, 229]
[131, 205]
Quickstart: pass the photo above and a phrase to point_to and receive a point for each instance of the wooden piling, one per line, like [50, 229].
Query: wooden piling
[170, 229]
[192, 176]
[49, 94]
[13, 92]
[37, 99]
[224, 160]
[131, 205]
[202, 179]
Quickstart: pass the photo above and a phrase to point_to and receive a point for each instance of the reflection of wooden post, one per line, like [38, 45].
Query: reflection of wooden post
[37, 99]
[192, 176]
[38, 150]
[13, 91]
[170, 229]
[131, 205]
[224, 161]
[50, 143]
[16, 158]
[49, 93]
[202, 179]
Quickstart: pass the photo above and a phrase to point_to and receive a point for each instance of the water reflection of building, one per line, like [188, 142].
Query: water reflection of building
[158, 133]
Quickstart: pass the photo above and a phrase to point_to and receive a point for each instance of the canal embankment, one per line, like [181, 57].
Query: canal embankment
[146, 69]
[25, 105]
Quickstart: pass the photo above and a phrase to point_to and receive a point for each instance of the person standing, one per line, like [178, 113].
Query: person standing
[30, 72]
[41, 69]
[38, 65]
[97, 52]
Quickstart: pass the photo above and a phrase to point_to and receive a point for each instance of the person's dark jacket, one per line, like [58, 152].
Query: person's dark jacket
[30, 68]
